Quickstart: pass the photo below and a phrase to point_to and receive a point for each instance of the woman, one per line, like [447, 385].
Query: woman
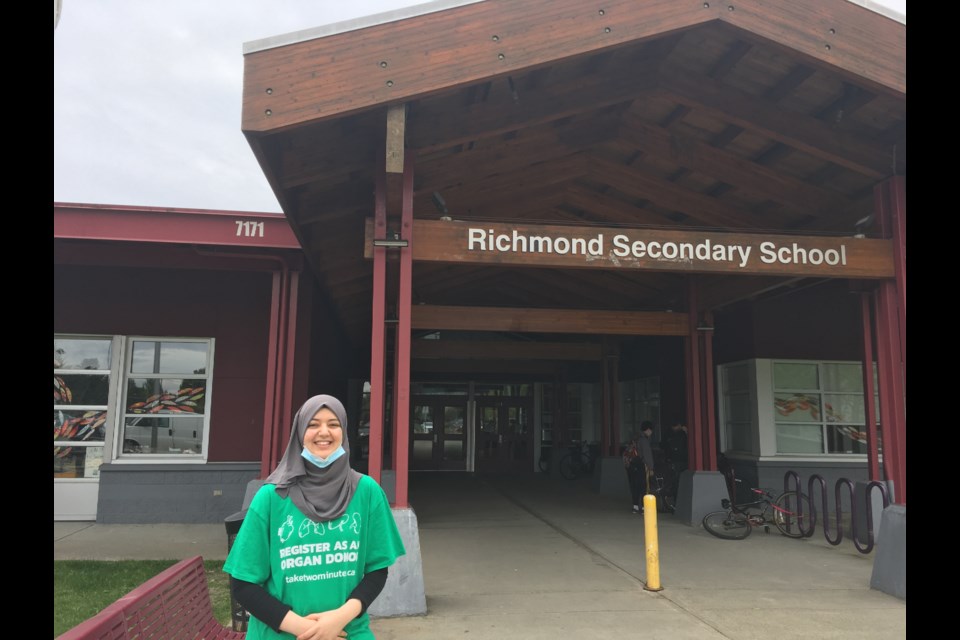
[637, 459]
[313, 551]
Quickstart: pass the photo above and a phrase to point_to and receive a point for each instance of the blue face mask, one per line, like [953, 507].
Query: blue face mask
[320, 462]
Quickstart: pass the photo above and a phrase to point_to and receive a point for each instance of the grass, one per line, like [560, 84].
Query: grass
[82, 588]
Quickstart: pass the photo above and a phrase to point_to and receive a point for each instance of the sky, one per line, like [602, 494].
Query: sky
[147, 97]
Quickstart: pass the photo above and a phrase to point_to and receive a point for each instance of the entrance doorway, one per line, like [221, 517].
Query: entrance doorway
[437, 433]
[504, 434]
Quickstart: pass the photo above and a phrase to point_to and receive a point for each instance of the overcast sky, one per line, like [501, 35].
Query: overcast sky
[147, 97]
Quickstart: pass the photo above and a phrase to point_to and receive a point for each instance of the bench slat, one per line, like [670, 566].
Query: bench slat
[173, 605]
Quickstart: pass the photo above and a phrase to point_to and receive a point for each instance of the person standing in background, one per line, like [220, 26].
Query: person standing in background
[675, 446]
[638, 461]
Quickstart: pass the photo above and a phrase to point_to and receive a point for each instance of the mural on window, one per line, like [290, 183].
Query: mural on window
[166, 397]
[81, 384]
[819, 407]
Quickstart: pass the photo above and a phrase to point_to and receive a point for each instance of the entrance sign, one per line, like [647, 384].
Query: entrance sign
[649, 249]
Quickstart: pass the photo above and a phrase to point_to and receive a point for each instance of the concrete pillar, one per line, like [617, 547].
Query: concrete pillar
[403, 594]
[890, 560]
[699, 493]
[611, 478]
[861, 494]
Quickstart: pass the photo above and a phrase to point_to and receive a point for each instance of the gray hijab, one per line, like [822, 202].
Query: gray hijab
[321, 494]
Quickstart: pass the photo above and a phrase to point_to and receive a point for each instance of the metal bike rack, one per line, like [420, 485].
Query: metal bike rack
[842, 482]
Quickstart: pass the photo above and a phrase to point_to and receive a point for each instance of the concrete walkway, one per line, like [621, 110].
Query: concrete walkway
[534, 557]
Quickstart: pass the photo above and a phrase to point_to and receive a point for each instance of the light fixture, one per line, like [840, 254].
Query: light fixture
[392, 242]
[704, 327]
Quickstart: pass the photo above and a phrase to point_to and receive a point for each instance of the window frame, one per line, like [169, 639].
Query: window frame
[115, 347]
[125, 374]
[763, 419]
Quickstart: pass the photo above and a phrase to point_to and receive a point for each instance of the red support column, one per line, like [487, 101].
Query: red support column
[378, 338]
[401, 413]
[615, 409]
[605, 419]
[869, 402]
[708, 387]
[289, 353]
[270, 399]
[892, 392]
[694, 413]
[891, 199]
[890, 303]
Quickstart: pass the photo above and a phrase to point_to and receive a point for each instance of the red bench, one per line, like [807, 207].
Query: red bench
[173, 605]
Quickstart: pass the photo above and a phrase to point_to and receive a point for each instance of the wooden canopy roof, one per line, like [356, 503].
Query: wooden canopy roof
[774, 116]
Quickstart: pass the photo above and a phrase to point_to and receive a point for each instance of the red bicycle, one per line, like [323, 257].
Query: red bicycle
[791, 512]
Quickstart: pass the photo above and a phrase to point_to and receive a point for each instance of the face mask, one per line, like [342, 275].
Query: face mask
[320, 462]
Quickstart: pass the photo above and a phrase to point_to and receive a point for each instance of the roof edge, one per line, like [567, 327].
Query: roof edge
[354, 24]
[876, 7]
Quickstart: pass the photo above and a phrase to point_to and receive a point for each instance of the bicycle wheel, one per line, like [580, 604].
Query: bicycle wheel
[569, 468]
[727, 525]
[793, 514]
[544, 463]
[669, 503]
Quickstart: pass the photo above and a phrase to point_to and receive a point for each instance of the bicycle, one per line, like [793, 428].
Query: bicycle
[792, 513]
[544, 462]
[662, 483]
[579, 461]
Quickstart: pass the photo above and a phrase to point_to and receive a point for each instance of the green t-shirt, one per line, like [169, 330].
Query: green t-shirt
[314, 566]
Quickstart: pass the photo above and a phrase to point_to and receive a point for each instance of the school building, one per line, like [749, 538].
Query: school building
[509, 228]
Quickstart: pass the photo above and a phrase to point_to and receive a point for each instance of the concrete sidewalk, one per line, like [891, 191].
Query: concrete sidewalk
[534, 557]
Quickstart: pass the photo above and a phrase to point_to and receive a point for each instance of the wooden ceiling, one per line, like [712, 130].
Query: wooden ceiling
[759, 116]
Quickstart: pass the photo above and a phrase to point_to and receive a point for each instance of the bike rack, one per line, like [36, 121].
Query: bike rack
[842, 482]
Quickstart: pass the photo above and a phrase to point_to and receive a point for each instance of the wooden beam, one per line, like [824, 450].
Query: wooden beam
[396, 137]
[632, 323]
[664, 250]
[669, 196]
[458, 350]
[753, 113]
[722, 165]
[844, 37]
[393, 62]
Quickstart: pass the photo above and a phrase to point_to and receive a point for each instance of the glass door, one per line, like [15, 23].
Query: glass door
[504, 434]
[437, 427]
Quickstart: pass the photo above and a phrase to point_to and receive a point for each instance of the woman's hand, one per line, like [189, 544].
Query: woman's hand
[323, 626]
[328, 625]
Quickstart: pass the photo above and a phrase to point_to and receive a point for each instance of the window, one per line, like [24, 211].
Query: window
[737, 407]
[819, 407]
[81, 394]
[166, 398]
[639, 401]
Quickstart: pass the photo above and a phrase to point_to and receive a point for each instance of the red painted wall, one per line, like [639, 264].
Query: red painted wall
[814, 323]
[230, 306]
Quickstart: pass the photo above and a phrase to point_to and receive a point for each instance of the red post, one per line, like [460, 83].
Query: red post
[708, 386]
[289, 357]
[891, 311]
[873, 460]
[401, 413]
[270, 398]
[694, 415]
[378, 338]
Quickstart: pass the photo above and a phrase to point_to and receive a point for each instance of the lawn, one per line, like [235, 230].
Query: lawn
[81, 588]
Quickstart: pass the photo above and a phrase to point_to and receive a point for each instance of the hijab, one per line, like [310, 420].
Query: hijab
[321, 494]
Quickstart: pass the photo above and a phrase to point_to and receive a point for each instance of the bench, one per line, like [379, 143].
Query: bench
[173, 605]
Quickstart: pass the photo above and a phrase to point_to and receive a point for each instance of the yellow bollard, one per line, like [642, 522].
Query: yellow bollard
[653, 546]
